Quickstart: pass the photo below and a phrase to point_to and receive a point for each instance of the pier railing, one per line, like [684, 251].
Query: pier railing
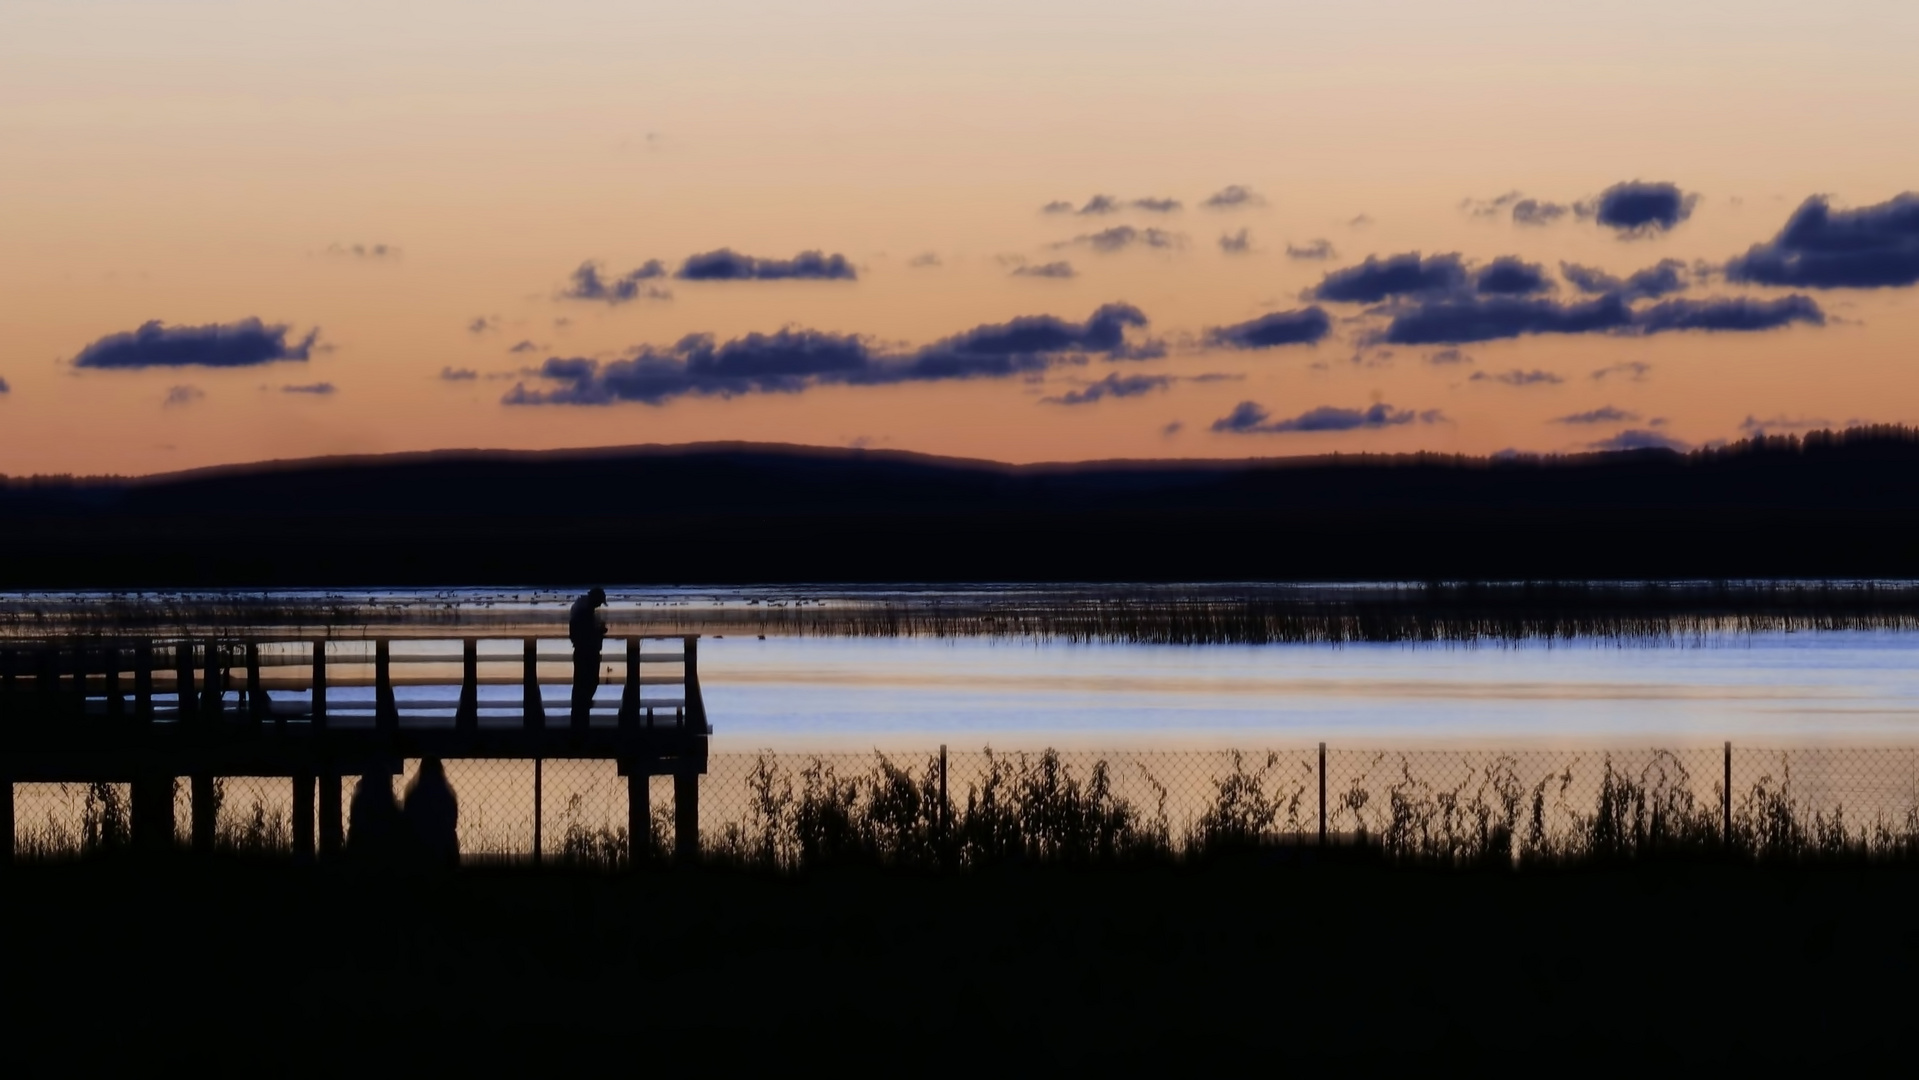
[146, 711]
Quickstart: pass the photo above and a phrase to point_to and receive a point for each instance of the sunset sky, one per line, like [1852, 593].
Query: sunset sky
[1033, 231]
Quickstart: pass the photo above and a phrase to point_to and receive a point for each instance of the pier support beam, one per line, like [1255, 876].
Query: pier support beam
[303, 818]
[206, 811]
[332, 831]
[151, 806]
[686, 815]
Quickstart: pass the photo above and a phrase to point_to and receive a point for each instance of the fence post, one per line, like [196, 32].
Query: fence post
[946, 823]
[630, 693]
[205, 811]
[213, 700]
[6, 816]
[1725, 796]
[539, 769]
[332, 826]
[116, 701]
[639, 812]
[1322, 794]
[183, 680]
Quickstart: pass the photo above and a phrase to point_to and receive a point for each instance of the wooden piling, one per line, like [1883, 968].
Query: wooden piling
[150, 803]
[143, 682]
[630, 693]
[183, 681]
[386, 711]
[319, 686]
[332, 826]
[257, 709]
[639, 814]
[116, 701]
[531, 708]
[205, 813]
[213, 693]
[468, 717]
[303, 817]
[686, 815]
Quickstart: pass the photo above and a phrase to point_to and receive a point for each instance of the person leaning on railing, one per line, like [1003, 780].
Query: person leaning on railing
[588, 632]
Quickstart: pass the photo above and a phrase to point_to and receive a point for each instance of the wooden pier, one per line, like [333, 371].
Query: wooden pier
[149, 711]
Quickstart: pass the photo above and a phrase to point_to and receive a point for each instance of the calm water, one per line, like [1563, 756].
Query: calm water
[1853, 688]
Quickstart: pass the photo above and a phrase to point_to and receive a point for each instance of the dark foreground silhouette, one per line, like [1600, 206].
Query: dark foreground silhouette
[1830, 505]
[1273, 964]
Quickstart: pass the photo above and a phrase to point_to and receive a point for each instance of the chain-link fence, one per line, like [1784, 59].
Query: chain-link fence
[929, 805]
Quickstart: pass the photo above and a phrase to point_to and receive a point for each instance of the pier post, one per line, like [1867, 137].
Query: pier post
[150, 803]
[686, 815]
[332, 831]
[206, 812]
[639, 813]
[143, 682]
[303, 817]
[695, 702]
[319, 687]
[386, 711]
[183, 681]
[116, 701]
[468, 718]
[213, 693]
[630, 693]
[533, 712]
[256, 698]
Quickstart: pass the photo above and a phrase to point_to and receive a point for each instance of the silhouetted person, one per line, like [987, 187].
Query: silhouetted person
[373, 820]
[588, 632]
[432, 815]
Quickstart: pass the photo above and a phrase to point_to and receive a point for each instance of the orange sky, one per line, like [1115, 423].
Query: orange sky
[203, 163]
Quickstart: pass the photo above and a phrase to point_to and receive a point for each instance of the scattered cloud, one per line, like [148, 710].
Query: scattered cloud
[1236, 243]
[4, 388]
[1516, 377]
[588, 283]
[1638, 439]
[1112, 204]
[1605, 414]
[482, 324]
[319, 388]
[1448, 356]
[1460, 320]
[1114, 385]
[1305, 326]
[1511, 276]
[1493, 207]
[729, 265]
[1639, 208]
[1538, 212]
[523, 346]
[1396, 275]
[1661, 279]
[1633, 370]
[182, 395]
[363, 251]
[246, 343]
[1120, 237]
[793, 360]
[1233, 197]
[1311, 249]
[453, 374]
[1821, 248]
[923, 260]
[1172, 429]
[1250, 418]
[1359, 221]
[1752, 425]
[1046, 270]
[1057, 206]
[1157, 205]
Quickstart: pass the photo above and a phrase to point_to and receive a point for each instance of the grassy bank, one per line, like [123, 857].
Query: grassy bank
[1348, 961]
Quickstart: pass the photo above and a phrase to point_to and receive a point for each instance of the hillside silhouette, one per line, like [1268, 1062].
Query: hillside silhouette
[1829, 504]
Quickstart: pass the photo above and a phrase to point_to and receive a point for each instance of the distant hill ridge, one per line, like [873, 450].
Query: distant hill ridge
[1825, 504]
